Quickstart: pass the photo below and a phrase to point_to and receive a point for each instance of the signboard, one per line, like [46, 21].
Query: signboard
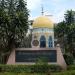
[33, 55]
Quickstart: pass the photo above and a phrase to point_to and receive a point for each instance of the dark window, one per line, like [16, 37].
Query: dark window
[50, 42]
[42, 42]
[32, 56]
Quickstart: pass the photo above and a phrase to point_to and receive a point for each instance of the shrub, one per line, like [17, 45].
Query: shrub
[42, 61]
[30, 68]
[10, 73]
[69, 59]
[65, 73]
[71, 67]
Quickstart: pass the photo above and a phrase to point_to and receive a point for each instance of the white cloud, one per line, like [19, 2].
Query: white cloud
[58, 17]
[32, 17]
[33, 4]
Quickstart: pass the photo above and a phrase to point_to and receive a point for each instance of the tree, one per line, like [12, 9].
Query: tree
[13, 23]
[70, 23]
[60, 34]
[3, 22]
[70, 17]
[65, 31]
[22, 15]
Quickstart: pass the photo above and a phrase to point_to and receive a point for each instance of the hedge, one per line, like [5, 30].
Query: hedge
[59, 73]
[71, 67]
[10, 73]
[30, 68]
[72, 72]
[69, 59]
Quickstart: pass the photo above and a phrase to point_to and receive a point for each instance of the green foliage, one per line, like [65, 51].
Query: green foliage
[13, 25]
[65, 32]
[72, 72]
[71, 67]
[35, 70]
[66, 73]
[70, 17]
[9, 73]
[69, 59]
[30, 68]
[42, 61]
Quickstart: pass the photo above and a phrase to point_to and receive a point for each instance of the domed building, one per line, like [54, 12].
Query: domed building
[43, 32]
[42, 46]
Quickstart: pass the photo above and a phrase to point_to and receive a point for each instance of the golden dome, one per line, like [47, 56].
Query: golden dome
[42, 22]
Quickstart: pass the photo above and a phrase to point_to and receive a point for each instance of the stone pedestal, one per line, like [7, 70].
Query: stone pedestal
[59, 56]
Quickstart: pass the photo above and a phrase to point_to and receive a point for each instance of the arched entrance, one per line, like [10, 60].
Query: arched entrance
[50, 42]
[42, 42]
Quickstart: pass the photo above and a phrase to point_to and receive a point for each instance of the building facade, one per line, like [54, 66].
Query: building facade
[43, 33]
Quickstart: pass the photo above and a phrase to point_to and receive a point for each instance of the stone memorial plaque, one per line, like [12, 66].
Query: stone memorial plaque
[33, 55]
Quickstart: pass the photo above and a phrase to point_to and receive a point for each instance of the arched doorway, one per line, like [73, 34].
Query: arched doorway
[50, 42]
[42, 42]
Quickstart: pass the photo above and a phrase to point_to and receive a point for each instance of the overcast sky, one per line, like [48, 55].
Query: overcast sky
[56, 8]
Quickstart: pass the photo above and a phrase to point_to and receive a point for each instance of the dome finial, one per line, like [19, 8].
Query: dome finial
[42, 12]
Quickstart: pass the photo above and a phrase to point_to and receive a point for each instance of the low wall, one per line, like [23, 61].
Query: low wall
[60, 60]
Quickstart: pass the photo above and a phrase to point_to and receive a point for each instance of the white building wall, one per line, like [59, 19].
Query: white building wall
[38, 32]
